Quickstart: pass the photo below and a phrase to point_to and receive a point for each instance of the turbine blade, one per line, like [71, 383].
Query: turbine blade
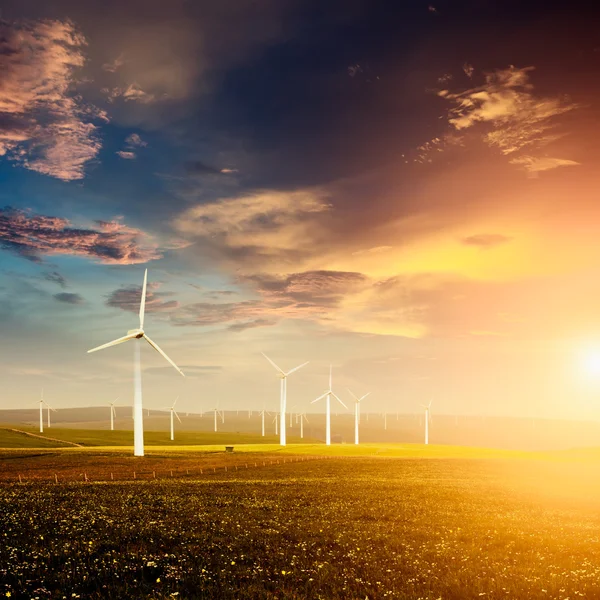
[363, 397]
[174, 403]
[157, 348]
[272, 363]
[296, 368]
[320, 398]
[338, 399]
[177, 416]
[354, 395]
[120, 340]
[143, 301]
[330, 375]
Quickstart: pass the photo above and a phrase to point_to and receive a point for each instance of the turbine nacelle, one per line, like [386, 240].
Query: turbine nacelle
[137, 333]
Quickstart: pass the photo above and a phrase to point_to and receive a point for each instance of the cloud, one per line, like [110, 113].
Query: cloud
[374, 250]
[256, 227]
[199, 168]
[313, 295]
[115, 65]
[126, 155]
[135, 141]
[486, 240]
[44, 125]
[535, 165]
[56, 277]
[128, 299]
[69, 298]
[515, 118]
[111, 242]
[132, 93]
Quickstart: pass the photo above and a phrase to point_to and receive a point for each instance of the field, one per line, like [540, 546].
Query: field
[376, 525]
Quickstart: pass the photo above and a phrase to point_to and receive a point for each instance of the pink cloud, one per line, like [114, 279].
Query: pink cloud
[110, 242]
[44, 126]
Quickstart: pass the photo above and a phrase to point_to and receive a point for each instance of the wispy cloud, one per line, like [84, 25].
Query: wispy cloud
[69, 298]
[516, 119]
[115, 65]
[256, 227]
[32, 236]
[132, 142]
[44, 125]
[56, 277]
[486, 240]
[126, 154]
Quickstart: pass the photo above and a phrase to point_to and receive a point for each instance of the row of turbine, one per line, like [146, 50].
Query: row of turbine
[138, 427]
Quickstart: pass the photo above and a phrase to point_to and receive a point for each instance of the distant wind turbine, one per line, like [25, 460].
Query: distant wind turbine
[113, 414]
[302, 419]
[283, 398]
[217, 412]
[262, 419]
[276, 421]
[43, 403]
[427, 407]
[173, 412]
[137, 334]
[357, 402]
[327, 395]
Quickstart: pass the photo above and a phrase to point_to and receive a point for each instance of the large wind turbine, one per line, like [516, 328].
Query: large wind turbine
[327, 395]
[357, 402]
[283, 399]
[427, 417]
[137, 334]
[113, 414]
[174, 412]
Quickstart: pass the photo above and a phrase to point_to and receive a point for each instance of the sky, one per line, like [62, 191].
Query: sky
[405, 190]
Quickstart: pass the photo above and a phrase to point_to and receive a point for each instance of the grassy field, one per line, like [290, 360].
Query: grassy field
[97, 437]
[341, 527]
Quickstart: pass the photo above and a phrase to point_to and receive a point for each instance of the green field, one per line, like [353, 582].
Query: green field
[341, 527]
[98, 437]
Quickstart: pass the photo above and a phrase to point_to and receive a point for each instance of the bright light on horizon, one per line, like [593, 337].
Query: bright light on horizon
[591, 363]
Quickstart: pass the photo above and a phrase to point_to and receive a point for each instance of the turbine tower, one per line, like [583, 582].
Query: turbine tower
[302, 419]
[113, 414]
[137, 334]
[49, 408]
[282, 403]
[427, 417]
[357, 402]
[327, 395]
[174, 412]
[217, 412]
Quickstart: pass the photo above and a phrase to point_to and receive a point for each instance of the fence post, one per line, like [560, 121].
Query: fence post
[154, 474]
[20, 478]
[111, 477]
[134, 474]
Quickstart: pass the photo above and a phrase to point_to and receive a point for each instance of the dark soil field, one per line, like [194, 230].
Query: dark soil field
[346, 527]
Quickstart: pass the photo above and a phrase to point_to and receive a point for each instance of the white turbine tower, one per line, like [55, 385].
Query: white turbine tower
[113, 414]
[173, 413]
[357, 402]
[282, 403]
[427, 418]
[217, 412]
[262, 414]
[48, 411]
[327, 395]
[137, 334]
[302, 419]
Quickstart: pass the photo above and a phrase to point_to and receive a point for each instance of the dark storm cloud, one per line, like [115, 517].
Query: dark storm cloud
[33, 236]
[69, 298]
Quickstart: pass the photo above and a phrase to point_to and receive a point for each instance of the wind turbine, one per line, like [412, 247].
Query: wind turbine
[327, 395]
[217, 412]
[113, 414]
[302, 419]
[357, 402]
[262, 417]
[283, 399]
[137, 334]
[42, 412]
[276, 421]
[174, 412]
[427, 417]
[49, 409]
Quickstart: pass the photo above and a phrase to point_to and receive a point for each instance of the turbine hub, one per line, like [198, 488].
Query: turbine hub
[139, 333]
